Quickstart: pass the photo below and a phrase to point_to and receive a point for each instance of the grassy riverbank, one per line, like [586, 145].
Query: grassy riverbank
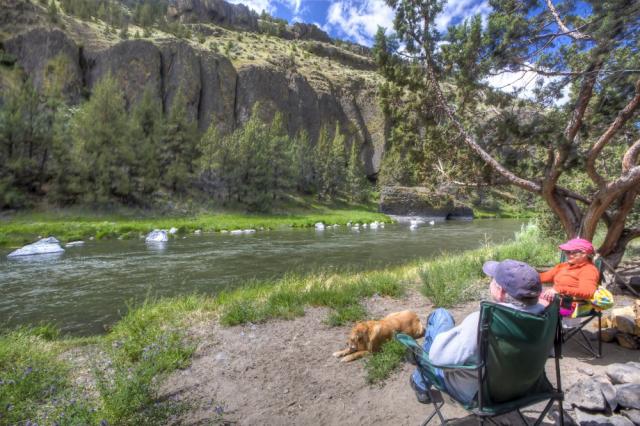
[46, 378]
[68, 225]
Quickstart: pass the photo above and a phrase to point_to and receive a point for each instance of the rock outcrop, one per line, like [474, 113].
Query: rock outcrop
[302, 31]
[340, 55]
[50, 58]
[415, 201]
[212, 89]
[218, 12]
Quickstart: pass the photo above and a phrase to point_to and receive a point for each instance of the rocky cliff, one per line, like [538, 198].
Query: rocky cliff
[217, 87]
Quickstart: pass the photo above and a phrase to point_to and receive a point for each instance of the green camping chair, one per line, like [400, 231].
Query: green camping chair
[569, 329]
[514, 347]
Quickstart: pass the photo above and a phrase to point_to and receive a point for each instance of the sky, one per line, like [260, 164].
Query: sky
[356, 20]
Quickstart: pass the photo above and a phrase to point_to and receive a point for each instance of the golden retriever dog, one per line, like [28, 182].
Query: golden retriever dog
[368, 336]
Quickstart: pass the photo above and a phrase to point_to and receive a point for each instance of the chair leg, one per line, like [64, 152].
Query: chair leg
[561, 413]
[545, 411]
[600, 336]
[435, 411]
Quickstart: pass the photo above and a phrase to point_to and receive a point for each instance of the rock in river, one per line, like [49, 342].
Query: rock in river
[157, 236]
[43, 246]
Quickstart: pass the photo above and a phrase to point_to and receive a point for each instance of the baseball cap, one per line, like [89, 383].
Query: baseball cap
[577, 244]
[517, 278]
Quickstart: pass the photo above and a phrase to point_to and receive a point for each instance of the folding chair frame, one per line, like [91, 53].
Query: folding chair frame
[416, 356]
[569, 332]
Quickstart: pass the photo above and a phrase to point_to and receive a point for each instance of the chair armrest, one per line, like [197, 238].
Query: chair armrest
[423, 357]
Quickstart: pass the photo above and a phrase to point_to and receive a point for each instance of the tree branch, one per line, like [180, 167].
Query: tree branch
[616, 228]
[606, 137]
[631, 156]
[574, 34]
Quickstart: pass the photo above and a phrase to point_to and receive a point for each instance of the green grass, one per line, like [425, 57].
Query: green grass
[69, 226]
[452, 279]
[151, 341]
[380, 365]
[288, 297]
[34, 382]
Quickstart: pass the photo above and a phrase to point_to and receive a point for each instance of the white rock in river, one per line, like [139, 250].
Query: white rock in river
[319, 226]
[236, 232]
[43, 246]
[157, 236]
[173, 230]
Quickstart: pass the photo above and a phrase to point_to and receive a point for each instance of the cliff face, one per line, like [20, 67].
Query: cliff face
[215, 91]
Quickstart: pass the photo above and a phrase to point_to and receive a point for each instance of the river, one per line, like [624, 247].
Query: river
[89, 287]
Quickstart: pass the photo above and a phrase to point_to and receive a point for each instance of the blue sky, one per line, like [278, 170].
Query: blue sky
[356, 20]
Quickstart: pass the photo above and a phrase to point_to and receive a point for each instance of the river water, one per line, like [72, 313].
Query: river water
[89, 287]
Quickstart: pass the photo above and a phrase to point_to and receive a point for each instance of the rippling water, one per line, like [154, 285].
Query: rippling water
[88, 287]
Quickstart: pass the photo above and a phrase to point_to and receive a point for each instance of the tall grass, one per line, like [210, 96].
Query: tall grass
[451, 279]
[34, 383]
[288, 297]
[145, 346]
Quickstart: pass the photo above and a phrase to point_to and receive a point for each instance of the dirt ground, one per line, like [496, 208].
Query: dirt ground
[282, 373]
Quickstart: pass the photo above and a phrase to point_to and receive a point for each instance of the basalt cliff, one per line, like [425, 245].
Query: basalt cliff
[225, 65]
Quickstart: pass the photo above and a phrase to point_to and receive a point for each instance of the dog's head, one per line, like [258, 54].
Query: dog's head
[359, 337]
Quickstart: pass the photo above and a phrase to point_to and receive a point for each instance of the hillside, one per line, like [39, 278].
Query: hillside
[222, 64]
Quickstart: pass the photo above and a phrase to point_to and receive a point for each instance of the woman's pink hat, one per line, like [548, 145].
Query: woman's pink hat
[578, 244]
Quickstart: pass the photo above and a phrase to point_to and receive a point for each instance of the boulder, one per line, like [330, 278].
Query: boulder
[415, 201]
[628, 395]
[157, 236]
[50, 59]
[628, 373]
[633, 415]
[587, 419]
[43, 246]
[608, 391]
[587, 394]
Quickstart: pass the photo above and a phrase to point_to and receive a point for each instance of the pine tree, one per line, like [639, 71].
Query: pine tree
[146, 132]
[100, 133]
[302, 160]
[334, 178]
[178, 149]
[356, 181]
[321, 152]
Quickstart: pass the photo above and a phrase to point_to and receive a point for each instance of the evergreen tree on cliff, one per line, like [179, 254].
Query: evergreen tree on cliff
[582, 157]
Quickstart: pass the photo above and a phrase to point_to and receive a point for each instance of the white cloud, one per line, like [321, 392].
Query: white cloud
[359, 20]
[269, 6]
[523, 83]
[455, 10]
[257, 5]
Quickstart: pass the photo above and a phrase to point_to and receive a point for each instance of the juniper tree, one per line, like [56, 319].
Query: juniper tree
[582, 156]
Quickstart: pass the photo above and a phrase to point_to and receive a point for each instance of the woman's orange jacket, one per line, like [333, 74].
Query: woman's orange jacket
[579, 281]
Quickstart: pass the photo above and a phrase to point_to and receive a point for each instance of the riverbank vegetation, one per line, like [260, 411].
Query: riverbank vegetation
[70, 225]
[103, 153]
[115, 377]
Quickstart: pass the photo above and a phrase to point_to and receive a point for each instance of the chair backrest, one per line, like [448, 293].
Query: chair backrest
[514, 348]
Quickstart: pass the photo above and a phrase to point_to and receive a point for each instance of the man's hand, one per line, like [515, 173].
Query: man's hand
[548, 294]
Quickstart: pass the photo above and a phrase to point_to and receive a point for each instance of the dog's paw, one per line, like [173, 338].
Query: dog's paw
[337, 354]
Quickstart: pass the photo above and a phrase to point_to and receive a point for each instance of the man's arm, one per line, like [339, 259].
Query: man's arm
[458, 345]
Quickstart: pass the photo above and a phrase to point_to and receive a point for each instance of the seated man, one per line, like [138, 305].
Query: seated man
[514, 284]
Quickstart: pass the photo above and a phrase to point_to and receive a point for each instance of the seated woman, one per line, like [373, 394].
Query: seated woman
[577, 277]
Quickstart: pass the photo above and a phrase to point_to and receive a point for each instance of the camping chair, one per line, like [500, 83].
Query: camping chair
[575, 326]
[514, 347]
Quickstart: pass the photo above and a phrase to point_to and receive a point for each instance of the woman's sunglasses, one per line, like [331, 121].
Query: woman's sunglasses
[572, 252]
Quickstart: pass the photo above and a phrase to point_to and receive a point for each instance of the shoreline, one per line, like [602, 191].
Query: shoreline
[115, 377]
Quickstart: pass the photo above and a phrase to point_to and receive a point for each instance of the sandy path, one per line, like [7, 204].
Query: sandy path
[282, 373]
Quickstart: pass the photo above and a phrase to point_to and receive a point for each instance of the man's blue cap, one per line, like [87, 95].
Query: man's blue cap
[518, 279]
